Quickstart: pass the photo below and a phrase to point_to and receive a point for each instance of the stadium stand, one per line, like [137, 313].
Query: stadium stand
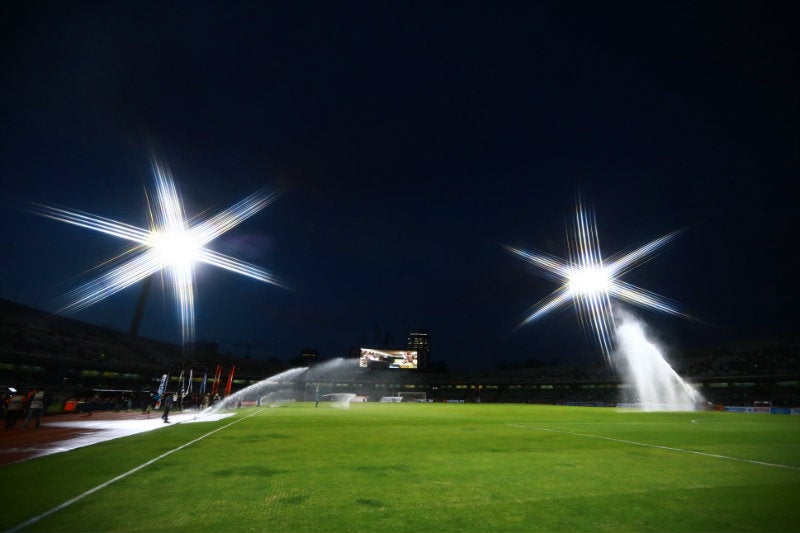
[102, 368]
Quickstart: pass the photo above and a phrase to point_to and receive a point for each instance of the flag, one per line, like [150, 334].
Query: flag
[163, 386]
[230, 381]
[217, 378]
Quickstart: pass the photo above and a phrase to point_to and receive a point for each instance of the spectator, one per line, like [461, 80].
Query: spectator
[15, 409]
[36, 408]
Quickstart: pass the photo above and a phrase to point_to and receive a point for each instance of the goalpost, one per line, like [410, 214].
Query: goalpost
[413, 396]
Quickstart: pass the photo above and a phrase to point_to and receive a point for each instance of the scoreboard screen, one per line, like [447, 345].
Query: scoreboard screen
[374, 358]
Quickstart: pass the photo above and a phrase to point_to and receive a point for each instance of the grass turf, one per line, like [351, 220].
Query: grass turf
[426, 467]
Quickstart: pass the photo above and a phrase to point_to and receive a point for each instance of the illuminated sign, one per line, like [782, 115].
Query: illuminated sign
[372, 358]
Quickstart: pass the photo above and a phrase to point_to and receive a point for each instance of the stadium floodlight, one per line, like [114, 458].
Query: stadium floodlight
[173, 244]
[590, 282]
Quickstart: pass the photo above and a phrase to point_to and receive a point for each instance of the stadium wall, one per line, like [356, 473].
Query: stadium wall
[762, 410]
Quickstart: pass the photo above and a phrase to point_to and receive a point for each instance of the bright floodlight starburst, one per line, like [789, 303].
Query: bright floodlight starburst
[173, 244]
[590, 282]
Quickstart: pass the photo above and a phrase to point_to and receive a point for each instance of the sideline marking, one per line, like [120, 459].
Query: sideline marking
[121, 476]
[681, 450]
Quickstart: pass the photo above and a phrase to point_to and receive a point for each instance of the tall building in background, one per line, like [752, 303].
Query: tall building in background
[420, 341]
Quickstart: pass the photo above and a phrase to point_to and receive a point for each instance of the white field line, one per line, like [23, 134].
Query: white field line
[121, 476]
[660, 447]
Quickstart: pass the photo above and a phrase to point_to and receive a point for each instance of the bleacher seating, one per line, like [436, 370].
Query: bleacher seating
[41, 349]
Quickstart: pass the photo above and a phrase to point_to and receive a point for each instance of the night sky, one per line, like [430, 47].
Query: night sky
[410, 141]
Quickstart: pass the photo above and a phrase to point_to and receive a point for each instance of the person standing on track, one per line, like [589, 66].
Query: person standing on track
[15, 408]
[36, 408]
[167, 406]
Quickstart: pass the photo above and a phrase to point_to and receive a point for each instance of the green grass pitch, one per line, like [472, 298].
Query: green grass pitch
[424, 467]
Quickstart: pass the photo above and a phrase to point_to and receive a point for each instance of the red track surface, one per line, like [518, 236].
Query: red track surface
[19, 444]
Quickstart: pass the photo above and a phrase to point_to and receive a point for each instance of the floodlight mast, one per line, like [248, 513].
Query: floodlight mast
[172, 243]
[140, 305]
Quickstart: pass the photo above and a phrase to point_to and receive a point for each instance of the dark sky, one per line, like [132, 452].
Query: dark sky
[410, 141]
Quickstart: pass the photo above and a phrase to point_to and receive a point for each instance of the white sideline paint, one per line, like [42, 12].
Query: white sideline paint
[123, 476]
[660, 447]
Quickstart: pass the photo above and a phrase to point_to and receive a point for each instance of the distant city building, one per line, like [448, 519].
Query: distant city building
[420, 341]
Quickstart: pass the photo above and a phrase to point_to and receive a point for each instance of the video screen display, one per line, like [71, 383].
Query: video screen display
[372, 358]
